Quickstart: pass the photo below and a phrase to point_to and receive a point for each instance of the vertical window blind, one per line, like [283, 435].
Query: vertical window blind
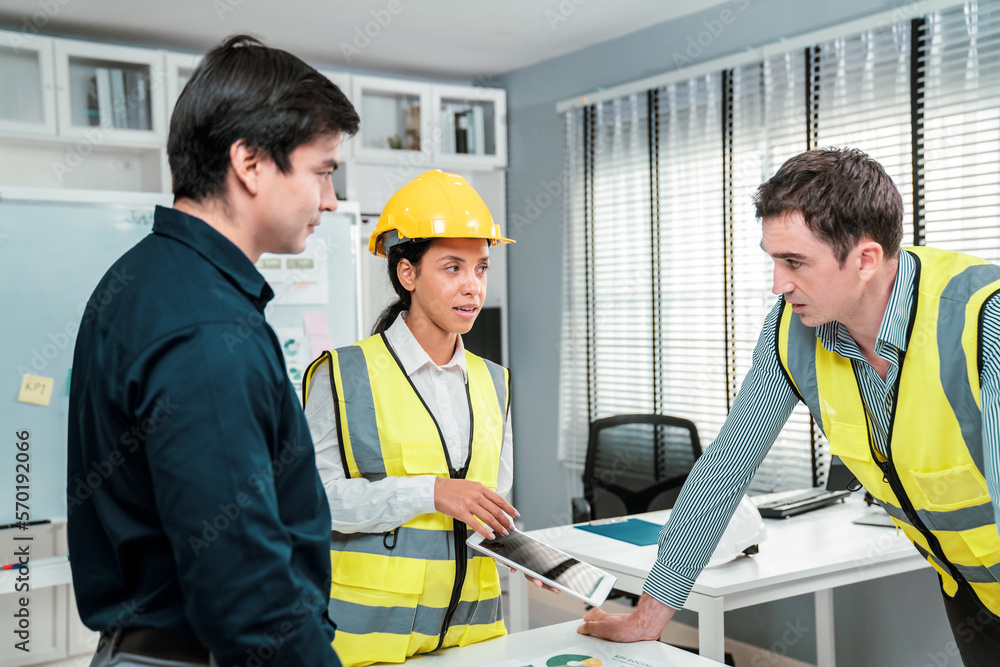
[665, 285]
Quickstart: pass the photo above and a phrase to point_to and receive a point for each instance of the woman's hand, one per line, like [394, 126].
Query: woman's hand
[473, 503]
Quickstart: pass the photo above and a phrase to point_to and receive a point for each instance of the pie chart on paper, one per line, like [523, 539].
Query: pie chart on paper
[573, 660]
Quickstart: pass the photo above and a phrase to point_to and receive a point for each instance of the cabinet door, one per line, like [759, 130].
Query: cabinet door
[27, 100]
[80, 640]
[395, 123]
[343, 81]
[110, 94]
[179, 67]
[470, 126]
[40, 611]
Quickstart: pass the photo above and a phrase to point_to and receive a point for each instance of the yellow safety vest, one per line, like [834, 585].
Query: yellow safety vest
[931, 481]
[417, 588]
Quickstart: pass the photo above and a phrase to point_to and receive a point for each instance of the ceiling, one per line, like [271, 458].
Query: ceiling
[448, 39]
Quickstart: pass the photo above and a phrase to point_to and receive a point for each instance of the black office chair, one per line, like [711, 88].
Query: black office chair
[635, 463]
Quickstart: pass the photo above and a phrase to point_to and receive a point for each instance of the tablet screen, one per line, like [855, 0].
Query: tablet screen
[551, 563]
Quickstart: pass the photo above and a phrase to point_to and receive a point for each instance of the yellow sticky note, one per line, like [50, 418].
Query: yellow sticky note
[36, 389]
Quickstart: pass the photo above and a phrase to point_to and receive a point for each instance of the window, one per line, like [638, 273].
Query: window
[665, 284]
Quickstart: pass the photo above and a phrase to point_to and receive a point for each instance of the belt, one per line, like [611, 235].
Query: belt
[156, 643]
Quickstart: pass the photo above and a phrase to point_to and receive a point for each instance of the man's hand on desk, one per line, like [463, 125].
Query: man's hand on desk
[645, 623]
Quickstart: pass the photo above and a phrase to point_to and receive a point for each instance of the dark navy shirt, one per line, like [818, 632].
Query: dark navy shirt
[194, 502]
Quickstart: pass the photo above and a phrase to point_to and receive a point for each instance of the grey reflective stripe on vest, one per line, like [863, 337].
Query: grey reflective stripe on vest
[801, 360]
[966, 518]
[496, 372]
[974, 574]
[360, 407]
[954, 373]
[361, 619]
[417, 543]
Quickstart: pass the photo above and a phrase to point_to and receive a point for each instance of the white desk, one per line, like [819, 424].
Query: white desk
[811, 553]
[524, 646]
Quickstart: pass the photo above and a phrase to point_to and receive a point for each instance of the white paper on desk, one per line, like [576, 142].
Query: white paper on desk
[589, 655]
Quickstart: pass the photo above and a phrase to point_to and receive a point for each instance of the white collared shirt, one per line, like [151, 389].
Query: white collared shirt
[358, 505]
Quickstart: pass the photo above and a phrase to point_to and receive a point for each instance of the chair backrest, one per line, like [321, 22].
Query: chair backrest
[637, 463]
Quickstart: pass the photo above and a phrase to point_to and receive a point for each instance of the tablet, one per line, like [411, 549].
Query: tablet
[541, 561]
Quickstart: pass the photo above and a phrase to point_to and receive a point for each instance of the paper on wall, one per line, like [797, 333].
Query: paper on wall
[301, 279]
[294, 348]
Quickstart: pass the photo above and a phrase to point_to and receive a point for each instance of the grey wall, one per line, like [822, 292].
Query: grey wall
[899, 621]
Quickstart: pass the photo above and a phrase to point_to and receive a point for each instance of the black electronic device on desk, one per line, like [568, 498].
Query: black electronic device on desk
[840, 482]
[790, 505]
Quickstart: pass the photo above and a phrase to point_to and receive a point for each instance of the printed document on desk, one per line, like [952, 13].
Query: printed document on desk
[634, 531]
[589, 655]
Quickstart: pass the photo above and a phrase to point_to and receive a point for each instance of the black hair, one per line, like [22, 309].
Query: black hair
[413, 252]
[843, 196]
[244, 90]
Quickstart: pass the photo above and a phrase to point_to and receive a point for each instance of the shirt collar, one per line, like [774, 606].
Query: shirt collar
[216, 249]
[896, 320]
[412, 355]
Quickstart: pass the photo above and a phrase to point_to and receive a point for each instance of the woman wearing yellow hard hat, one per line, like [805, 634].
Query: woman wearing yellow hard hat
[413, 440]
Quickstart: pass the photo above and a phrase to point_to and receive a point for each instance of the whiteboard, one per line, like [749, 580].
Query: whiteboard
[54, 248]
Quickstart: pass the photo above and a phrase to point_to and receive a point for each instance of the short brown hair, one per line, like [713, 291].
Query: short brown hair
[843, 195]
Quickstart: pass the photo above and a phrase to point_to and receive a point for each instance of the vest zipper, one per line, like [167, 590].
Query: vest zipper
[932, 541]
[461, 568]
[458, 527]
[888, 468]
[459, 530]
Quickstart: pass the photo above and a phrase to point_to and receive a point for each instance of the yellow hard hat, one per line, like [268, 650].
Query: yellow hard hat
[434, 205]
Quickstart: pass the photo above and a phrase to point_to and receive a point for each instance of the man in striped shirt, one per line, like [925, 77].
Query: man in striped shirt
[853, 308]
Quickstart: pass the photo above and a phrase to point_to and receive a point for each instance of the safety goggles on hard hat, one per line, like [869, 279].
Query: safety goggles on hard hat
[434, 205]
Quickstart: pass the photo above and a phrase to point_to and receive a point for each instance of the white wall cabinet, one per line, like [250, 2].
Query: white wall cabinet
[394, 118]
[449, 126]
[28, 102]
[115, 91]
[470, 126]
[80, 115]
[179, 67]
[85, 115]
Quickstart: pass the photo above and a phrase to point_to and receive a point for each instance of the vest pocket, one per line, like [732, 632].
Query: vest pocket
[848, 441]
[484, 614]
[423, 458]
[379, 573]
[984, 544]
[951, 489]
[489, 579]
[373, 600]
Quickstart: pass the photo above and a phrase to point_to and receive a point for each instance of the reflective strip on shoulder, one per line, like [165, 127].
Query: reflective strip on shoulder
[499, 375]
[359, 405]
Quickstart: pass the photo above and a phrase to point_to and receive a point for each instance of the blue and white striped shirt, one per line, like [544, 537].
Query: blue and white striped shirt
[762, 406]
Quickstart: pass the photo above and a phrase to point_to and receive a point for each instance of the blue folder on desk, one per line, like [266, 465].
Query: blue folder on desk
[634, 531]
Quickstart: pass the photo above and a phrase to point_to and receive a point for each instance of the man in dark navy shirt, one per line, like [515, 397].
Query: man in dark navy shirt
[205, 537]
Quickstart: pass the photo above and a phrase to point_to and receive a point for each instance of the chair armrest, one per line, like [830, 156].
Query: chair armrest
[581, 510]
